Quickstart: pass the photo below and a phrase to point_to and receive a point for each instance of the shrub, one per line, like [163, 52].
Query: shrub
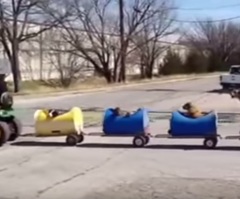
[172, 64]
[196, 62]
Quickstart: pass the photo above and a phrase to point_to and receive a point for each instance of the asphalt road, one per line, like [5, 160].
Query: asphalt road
[109, 168]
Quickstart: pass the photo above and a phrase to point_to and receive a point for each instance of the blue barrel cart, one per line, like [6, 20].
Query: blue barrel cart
[205, 127]
[135, 125]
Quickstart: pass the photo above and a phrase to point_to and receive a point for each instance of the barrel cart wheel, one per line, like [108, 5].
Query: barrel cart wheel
[169, 132]
[72, 140]
[147, 139]
[210, 143]
[80, 138]
[5, 133]
[16, 128]
[139, 141]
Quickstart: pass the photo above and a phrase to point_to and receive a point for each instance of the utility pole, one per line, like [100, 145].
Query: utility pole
[41, 55]
[122, 41]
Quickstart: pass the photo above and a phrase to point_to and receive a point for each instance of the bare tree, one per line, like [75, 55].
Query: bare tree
[148, 39]
[219, 40]
[99, 41]
[138, 14]
[18, 23]
[68, 65]
[86, 34]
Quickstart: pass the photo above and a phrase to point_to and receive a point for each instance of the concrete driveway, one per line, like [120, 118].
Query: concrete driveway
[103, 167]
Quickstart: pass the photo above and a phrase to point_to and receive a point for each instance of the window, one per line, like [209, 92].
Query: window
[235, 70]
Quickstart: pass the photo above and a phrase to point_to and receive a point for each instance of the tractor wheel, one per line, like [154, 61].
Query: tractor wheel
[16, 129]
[5, 133]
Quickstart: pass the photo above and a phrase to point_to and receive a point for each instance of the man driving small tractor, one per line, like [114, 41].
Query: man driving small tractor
[10, 126]
[6, 99]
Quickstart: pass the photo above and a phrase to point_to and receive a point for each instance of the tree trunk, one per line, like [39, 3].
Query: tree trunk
[149, 74]
[123, 69]
[107, 72]
[160, 66]
[149, 70]
[142, 68]
[142, 71]
[108, 76]
[122, 76]
[115, 72]
[15, 66]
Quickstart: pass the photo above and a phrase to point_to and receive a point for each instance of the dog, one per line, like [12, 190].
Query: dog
[51, 113]
[192, 110]
[235, 93]
[120, 112]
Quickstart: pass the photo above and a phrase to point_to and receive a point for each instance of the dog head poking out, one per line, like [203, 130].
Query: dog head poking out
[187, 106]
[235, 93]
[192, 110]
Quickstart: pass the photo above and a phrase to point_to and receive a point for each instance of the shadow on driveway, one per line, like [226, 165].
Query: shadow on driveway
[124, 146]
[163, 147]
[173, 90]
[218, 91]
[39, 144]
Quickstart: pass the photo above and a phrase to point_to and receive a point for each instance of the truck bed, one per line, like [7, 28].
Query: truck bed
[230, 80]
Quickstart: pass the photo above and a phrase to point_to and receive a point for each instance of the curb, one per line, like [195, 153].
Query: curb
[110, 88]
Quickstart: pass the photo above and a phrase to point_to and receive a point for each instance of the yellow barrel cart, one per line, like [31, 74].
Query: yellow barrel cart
[51, 123]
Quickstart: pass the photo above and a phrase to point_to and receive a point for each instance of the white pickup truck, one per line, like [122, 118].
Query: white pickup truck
[231, 80]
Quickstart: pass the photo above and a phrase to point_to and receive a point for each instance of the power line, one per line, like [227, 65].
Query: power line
[209, 8]
[175, 20]
[206, 21]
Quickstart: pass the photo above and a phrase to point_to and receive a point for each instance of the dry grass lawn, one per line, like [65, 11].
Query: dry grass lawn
[32, 87]
[41, 87]
[93, 118]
